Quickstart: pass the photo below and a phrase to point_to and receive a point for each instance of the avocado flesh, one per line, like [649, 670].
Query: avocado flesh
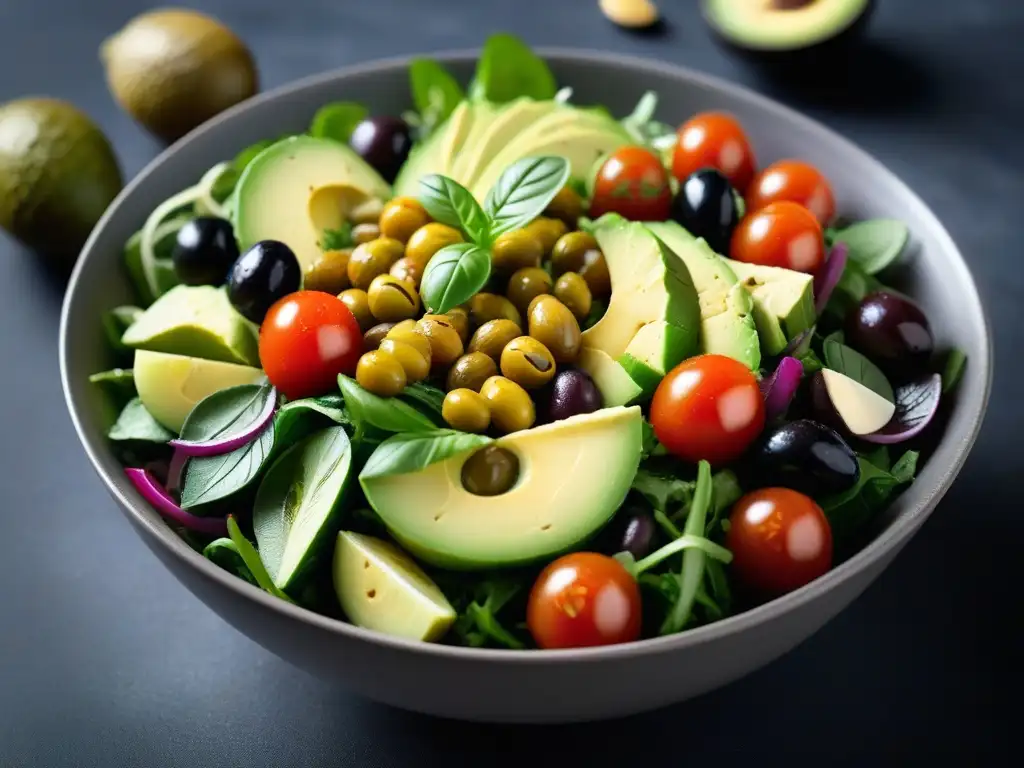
[381, 588]
[573, 476]
[766, 26]
[783, 302]
[611, 378]
[197, 321]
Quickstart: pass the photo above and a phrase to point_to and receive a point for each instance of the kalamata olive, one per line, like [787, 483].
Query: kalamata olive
[268, 271]
[384, 142]
[708, 206]
[572, 392]
[204, 251]
[806, 456]
[637, 532]
[891, 330]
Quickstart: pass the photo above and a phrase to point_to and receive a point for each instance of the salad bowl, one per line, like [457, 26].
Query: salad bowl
[527, 685]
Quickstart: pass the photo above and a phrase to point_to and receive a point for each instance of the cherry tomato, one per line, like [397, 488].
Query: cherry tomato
[781, 234]
[306, 340]
[714, 140]
[581, 600]
[708, 407]
[779, 539]
[633, 183]
[797, 182]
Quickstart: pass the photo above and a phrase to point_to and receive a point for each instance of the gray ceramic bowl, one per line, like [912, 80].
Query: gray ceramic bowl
[532, 686]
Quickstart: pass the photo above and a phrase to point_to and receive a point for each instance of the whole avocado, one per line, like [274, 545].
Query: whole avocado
[58, 174]
[173, 69]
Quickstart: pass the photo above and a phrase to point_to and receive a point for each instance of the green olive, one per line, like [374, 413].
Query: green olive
[491, 337]
[460, 319]
[372, 259]
[367, 212]
[566, 206]
[465, 410]
[554, 326]
[573, 291]
[330, 272]
[491, 471]
[595, 272]
[445, 344]
[485, 307]
[373, 337]
[410, 334]
[527, 362]
[381, 373]
[515, 250]
[409, 270]
[471, 371]
[404, 325]
[579, 252]
[510, 405]
[547, 231]
[364, 233]
[413, 362]
[527, 284]
[392, 299]
[401, 217]
[359, 305]
[429, 239]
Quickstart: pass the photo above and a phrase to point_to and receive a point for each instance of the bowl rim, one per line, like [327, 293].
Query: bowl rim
[894, 536]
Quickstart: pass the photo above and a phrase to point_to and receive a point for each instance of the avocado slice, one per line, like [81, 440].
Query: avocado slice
[726, 309]
[559, 501]
[774, 26]
[653, 317]
[610, 377]
[272, 200]
[198, 321]
[382, 588]
[783, 302]
[171, 385]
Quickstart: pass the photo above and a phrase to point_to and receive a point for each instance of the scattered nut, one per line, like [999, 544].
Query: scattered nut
[634, 14]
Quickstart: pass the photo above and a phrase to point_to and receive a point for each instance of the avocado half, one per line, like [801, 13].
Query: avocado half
[787, 31]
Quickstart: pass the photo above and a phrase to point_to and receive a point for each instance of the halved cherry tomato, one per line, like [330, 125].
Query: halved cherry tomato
[708, 407]
[779, 539]
[714, 140]
[781, 234]
[584, 599]
[307, 339]
[797, 182]
[633, 183]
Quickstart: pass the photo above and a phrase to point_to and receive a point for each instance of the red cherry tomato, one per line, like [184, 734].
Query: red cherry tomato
[306, 340]
[714, 140]
[781, 234]
[633, 183]
[708, 407]
[795, 181]
[779, 539]
[581, 600]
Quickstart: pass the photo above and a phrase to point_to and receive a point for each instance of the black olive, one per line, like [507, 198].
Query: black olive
[707, 206]
[384, 142]
[638, 533]
[892, 330]
[263, 274]
[807, 457]
[204, 251]
[570, 393]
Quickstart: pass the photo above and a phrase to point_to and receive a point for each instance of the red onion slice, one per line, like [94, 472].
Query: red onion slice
[176, 471]
[827, 277]
[229, 442]
[780, 387]
[916, 406]
[153, 493]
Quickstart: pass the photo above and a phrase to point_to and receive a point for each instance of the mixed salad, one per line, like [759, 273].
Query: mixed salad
[509, 371]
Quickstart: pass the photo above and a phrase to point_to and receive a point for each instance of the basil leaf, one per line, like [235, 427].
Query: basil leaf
[135, 423]
[450, 203]
[508, 69]
[212, 478]
[454, 275]
[387, 414]
[118, 384]
[412, 452]
[435, 92]
[852, 363]
[299, 418]
[810, 361]
[224, 553]
[227, 413]
[523, 191]
[854, 284]
[692, 573]
[879, 456]
[115, 323]
[953, 371]
[429, 397]
[252, 561]
[336, 121]
[297, 502]
[336, 239]
[874, 244]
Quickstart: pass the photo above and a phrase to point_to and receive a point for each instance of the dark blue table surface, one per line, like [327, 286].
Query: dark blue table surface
[106, 661]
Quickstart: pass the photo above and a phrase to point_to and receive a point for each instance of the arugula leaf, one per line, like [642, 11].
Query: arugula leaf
[726, 491]
[411, 452]
[454, 275]
[213, 478]
[523, 191]
[478, 624]
[682, 544]
[508, 69]
[663, 492]
[849, 511]
[337, 120]
[810, 362]
[252, 561]
[387, 414]
[115, 322]
[224, 553]
[953, 371]
[337, 239]
[874, 244]
[854, 284]
[450, 203]
[905, 469]
[648, 440]
[118, 384]
[693, 559]
[136, 424]
[645, 130]
[227, 413]
[852, 363]
[426, 395]
[435, 93]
